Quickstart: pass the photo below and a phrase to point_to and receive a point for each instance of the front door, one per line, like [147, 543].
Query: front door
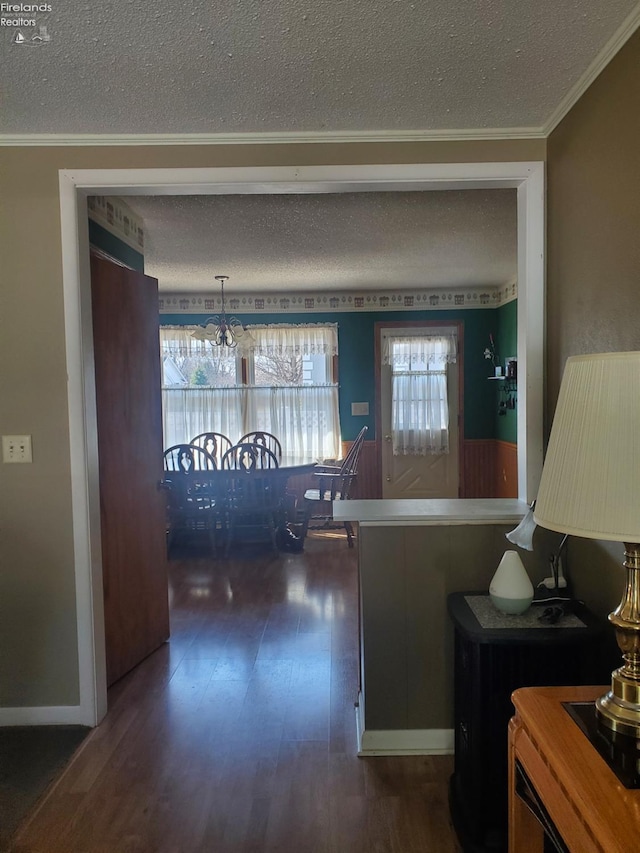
[132, 508]
[417, 474]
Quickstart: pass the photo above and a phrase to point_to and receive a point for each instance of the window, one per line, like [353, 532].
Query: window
[189, 362]
[281, 382]
[292, 355]
[419, 402]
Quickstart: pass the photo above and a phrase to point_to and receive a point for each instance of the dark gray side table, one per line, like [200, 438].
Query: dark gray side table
[492, 658]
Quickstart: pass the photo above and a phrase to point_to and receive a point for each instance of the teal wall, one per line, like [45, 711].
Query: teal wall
[356, 342]
[112, 245]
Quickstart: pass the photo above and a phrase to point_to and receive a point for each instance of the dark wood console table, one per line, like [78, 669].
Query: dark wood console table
[586, 805]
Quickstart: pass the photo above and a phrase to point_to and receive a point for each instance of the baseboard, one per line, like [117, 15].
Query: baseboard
[402, 741]
[64, 715]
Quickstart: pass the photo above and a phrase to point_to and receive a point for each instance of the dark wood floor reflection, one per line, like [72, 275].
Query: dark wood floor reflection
[239, 734]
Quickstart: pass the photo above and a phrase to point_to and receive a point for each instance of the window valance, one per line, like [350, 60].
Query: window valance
[279, 339]
[420, 352]
[178, 342]
[286, 339]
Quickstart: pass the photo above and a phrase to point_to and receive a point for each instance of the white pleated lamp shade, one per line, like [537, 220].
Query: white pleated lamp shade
[511, 590]
[590, 485]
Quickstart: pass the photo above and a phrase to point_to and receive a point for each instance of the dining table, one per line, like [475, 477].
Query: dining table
[218, 484]
[280, 475]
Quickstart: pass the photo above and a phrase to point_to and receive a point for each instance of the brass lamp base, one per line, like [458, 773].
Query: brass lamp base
[619, 709]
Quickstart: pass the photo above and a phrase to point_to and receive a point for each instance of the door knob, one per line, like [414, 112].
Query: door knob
[388, 479]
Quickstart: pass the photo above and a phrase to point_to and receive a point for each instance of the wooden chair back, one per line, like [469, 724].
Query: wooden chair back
[253, 493]
[335, 483]
[215, 443]
[187, 459]
[190, 503]
[265, 439]
[350, 462]
[247, 456]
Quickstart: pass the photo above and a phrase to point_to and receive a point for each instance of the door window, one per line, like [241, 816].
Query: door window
[419, 400]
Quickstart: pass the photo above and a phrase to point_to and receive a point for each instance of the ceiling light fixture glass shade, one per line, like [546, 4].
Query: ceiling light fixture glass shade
[590, 487]
[220, 330]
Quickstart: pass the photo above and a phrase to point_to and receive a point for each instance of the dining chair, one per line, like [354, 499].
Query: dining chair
[265, 439]
[215, 443]
[247, 456]
[334, 483]
[253, 496]
[191, 504]
[188, 458]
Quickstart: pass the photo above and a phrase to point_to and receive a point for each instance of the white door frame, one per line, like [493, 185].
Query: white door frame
[75, 185]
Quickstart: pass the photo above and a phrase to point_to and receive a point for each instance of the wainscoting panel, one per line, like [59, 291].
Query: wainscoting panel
[506, 469]
[490, 469]
[479, 468]
[367, 484]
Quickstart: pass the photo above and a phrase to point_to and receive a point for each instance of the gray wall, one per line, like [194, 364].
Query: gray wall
[593, 281]
[38, 646]
[406, 575]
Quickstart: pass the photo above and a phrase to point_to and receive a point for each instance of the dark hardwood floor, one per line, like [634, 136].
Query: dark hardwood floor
[239, 734]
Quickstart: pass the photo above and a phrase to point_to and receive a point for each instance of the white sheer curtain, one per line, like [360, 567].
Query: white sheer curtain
[299, 404]
[303, 416]
[189, 409]
[419, 401]
[188, 412]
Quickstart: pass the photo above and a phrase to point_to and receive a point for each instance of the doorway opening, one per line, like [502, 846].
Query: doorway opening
[76, 185]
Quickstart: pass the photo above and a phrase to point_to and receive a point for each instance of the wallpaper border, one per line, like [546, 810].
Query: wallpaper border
[300, 302]
[115, 216]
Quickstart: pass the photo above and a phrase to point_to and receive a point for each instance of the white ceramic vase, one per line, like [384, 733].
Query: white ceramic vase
[511, 590]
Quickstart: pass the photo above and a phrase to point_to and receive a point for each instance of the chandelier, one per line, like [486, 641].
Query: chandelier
[220, 330]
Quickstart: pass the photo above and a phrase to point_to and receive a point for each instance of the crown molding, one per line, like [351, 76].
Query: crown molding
[611, 48]
[287, 138]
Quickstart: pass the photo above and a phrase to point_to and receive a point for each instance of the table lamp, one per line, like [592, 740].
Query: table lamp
[590, 487]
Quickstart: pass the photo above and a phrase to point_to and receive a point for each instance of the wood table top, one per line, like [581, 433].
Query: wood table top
[608, 810]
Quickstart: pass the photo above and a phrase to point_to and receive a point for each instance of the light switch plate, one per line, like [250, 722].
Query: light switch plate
[359, 408]
[16, 448]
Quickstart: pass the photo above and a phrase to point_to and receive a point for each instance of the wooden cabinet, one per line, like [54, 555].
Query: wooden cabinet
[573, 789]
[489, 664]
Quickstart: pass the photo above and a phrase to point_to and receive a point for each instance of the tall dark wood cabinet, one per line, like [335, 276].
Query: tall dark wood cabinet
[490, 663]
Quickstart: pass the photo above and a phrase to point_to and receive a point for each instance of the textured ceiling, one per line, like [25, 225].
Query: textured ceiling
[248, 68]
[286, 66]
[345, 241]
